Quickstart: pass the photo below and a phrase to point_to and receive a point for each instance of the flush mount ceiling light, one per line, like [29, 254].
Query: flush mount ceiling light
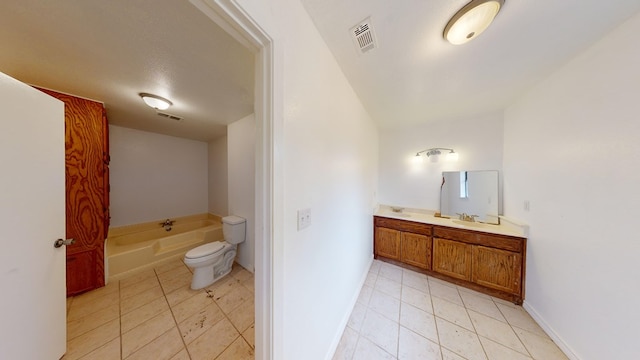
[433, 154]
[155, 101]
[471, 20]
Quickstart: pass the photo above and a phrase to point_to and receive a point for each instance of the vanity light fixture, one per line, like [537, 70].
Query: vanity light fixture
[155, 101]
[471, 20]
[433, 154]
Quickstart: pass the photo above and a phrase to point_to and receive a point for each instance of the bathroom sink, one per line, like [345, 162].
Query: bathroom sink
[469, 223]
[399, 214]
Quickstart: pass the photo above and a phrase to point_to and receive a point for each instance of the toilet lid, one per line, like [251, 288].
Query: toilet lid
[204, 250]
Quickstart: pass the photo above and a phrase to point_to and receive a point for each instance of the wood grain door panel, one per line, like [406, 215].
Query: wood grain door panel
[86, 184]
[497, 269]
[387, 243]
[82, 266]
[452, 258]
[415, 249]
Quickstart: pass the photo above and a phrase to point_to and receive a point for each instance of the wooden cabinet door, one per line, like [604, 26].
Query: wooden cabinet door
[415, 249]
[497, 269]
[452, 258]
[85, 124]
[106, 159]
[387, 243]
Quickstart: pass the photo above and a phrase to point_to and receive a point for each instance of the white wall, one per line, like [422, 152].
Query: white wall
[155, 176]
[241, 178]
[326, 144]
[572, 150]
[330, 167]
[218, 177]
[410, 183]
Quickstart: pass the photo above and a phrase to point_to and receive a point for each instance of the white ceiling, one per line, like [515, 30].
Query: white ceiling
[112, 50]
[416, 76]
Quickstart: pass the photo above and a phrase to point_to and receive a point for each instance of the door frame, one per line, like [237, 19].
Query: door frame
[236, 21]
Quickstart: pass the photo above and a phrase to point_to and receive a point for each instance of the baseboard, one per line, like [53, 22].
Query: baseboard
[566, 349]
[345, 318]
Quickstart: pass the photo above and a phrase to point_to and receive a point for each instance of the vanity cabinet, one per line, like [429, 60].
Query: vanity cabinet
[490, 263]
[404, 241]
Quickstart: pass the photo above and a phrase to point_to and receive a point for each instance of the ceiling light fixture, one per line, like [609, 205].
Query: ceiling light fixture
[433, 154]
[471, 20]
[155, 101]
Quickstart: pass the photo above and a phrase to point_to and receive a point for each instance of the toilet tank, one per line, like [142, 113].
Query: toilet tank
[234, 229]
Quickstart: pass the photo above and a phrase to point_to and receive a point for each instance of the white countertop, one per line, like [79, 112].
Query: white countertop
[507, 226]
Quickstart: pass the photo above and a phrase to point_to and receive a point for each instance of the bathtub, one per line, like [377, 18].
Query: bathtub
[138, 247]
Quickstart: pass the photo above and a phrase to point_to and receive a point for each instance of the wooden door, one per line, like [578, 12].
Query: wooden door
[387, 243]
[32, 270]
[106, 159]
[85, 187]
[497, 269]
[452, 258]
[415, 249]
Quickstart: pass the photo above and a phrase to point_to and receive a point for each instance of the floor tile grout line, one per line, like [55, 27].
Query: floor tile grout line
[399, 317]
[355, 347]
[122, 334]
[120, 317]
[225, 316]
[433, 311]
[119, 302]
[514, 331]
[504, 319]
[119, 286]
[175, 321]
[475, 330]
[166, 301]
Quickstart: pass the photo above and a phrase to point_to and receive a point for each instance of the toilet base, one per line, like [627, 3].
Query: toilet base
[204, 276]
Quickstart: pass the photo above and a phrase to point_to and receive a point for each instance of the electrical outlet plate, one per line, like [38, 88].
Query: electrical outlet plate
[304, 218]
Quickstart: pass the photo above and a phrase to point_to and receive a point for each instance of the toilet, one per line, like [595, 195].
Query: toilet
[211, 261]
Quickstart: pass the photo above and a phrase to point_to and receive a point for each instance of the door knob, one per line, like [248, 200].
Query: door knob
[58, 243]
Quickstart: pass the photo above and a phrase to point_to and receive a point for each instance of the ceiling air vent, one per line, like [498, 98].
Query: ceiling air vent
[169, 116]
[363, 36]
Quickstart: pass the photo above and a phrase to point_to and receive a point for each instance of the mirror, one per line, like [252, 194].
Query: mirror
[470, 192]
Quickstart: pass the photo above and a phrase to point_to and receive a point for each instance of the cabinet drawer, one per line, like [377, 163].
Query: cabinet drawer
[403, 225]
[480, 238]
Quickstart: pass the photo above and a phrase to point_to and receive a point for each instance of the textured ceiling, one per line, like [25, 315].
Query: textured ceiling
[112, 50]
[415, 76]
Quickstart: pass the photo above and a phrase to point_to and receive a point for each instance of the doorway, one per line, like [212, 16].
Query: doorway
[237, 23]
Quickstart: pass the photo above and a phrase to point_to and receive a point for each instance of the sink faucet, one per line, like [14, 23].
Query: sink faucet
[465, 217]
[167, 224]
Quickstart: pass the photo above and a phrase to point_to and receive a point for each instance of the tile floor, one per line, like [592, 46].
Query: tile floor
[155, 315]
[401, 314]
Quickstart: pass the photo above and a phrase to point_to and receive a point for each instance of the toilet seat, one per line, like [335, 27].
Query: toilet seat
[205, 250]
